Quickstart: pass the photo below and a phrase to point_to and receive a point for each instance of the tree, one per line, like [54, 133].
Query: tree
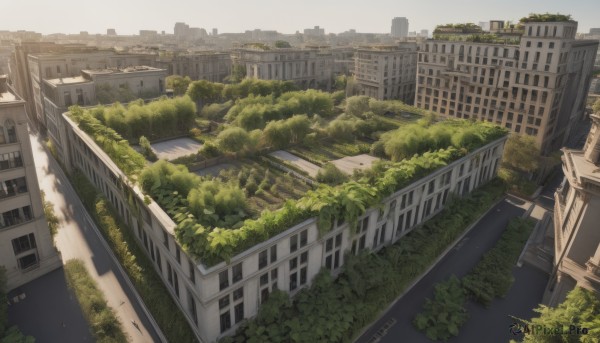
[357, 105]
[331, 175]
[521, 153]
[204, 92]
[233, 139]
[178, 84]
[238, 73]
[147, 149]
[282, 44]
[581, 309]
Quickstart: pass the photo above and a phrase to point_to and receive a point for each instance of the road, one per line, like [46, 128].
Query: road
[76, 238]
[459, 261]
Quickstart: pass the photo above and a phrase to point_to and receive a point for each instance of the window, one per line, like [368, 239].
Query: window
[273, 253]
[15, 217]
[333, 248]
[431, 187]
[238, 294]
[303, 238]
[223, 280]
[192, 306]
[28, 261]
[293, 243]
[237, 272]
[224, 302]
[192, 268]
[382, 236]
[262, 259]
[303, 276]
[23, 243]
[8, 133]
[166, 239]
[225, 321]
[293, 281]
[177, 254]
[238, 311]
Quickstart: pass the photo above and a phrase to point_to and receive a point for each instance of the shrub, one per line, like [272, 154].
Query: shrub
[147, 149]
[102, 319]
[331, 175]
[442, 317]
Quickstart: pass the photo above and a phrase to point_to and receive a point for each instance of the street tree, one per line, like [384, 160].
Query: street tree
[521, 153]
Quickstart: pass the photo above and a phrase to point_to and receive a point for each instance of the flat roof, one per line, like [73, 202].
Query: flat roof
[584, 168]
[7, 97]
[116, 70]
[68, 80]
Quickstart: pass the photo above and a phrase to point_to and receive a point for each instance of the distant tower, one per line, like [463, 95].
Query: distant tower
[399, 27]
[215, 32]
[111, 32]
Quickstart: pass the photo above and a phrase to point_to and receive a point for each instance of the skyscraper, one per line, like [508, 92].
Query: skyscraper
[399, 27]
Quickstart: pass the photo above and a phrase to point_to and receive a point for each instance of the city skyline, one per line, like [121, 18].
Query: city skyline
[125, 18]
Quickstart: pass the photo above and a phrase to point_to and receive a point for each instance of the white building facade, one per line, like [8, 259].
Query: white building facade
[26, 247]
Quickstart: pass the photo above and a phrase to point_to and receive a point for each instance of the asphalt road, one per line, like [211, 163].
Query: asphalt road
[459, 262]
[76, 238]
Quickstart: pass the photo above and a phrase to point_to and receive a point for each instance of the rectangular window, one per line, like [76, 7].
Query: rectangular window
[239, 312]
[238, 294]
[237, 272]
[293, 263]
[223, 280]
[225, 321]
[303, 238]
[192, 268]
[304, 257]
[293, 281]
[303, 276]
[177, 254]
[262, 259]
[224, 302]
[293, 243]
[264, 279]
[28, 261]
[23, 243]
[273, 253]
[382, 236]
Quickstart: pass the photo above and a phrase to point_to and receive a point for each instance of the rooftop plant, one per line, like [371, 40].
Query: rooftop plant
[546, 17]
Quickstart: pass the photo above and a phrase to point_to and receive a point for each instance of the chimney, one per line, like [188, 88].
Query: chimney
[3, 87]
[592, 145]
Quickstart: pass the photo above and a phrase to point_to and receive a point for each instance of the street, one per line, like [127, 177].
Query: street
[484, 325]
[77, 238]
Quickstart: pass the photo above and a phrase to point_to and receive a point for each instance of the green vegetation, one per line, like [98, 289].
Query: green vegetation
[492, 276]
[331, 175]
[580, 309]
[147, 149]
[102, 319]
[546, 17]
[8, 334]
[178, 84]
[492, 38]
[336, 310]
[204, 92]
[445, 314]
[282, 44]
[461, 28]
[50, 215]
[139, 268]
[520, 160]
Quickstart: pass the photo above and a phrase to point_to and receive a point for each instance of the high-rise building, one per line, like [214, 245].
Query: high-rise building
[26, 247]
[316, 31]
[215, 31]
[532, 80]
[576, 217]
[399, 27]
[387, 72]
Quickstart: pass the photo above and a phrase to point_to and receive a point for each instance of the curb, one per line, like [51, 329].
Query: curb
[92, 223]
[422, 275]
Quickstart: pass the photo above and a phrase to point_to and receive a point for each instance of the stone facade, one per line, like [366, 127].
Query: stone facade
[26, 247]
[537, 87]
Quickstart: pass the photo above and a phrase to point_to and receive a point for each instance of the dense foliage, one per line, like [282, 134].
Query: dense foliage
[50, 215]
[8, 334]
[178, 84]
[442, 317]
[580, 309]
[331, 175]
[205, 92]
[464, 28]
[492, 276]
[103, 321]
[157, 119]
[546, 17]
[147, 149]
[521, 153]
[106, 94]
[336, 310]
[134, 260]
[122, 154]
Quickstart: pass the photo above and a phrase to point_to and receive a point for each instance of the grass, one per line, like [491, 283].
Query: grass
[102, 319]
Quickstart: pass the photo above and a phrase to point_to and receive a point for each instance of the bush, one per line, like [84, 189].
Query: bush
[445, 314]
[147, 149]
[102, 319]
[50, 215]
[331, 175]
[492, 276]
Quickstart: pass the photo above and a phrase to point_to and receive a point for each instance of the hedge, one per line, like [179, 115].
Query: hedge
[102, 319]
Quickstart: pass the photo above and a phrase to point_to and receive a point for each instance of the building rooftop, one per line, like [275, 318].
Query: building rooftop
[6, 95]
[68, 80]
[117, 70]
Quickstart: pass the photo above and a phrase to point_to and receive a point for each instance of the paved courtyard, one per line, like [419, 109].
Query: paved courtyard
[175, 148]
[310, 168]
[350, 163]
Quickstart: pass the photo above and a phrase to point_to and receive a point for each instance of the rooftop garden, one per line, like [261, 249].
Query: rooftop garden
[222, 213]
[458, 28]
[546, 17]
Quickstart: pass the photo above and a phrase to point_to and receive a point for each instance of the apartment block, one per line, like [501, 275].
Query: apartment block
[26, 246]
[308, 68]
[576, 217]
[387, 72]
[95, 86]
[210, 66]
[531, 79]
[215, 299]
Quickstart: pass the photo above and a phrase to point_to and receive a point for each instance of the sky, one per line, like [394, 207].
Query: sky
[285, 16]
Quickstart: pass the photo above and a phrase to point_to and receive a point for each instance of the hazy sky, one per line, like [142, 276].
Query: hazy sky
[129, 16]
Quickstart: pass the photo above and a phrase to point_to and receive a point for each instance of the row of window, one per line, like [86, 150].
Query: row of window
[25, 251]
[15, 217]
